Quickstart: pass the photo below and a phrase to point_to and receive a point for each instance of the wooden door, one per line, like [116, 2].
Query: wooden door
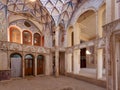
[28, 67]
[16, 68]
[62, 63]
[40, 66]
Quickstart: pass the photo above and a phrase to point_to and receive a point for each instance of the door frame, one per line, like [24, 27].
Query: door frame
[43, 64]
[33, 65]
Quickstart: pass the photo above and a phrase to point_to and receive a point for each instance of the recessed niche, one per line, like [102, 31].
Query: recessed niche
[27, 24]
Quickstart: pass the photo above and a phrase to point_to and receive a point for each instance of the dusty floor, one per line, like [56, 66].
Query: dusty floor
[47, 83]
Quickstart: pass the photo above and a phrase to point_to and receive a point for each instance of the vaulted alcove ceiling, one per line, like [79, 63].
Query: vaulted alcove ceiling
[43, 11]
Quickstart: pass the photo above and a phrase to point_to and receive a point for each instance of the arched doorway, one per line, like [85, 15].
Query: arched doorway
[16, 65]
[40, 64]
[29, 64]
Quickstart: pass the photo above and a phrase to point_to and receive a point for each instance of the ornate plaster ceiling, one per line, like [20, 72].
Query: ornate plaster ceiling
[43, 11]
[60, 9]
[30, 9]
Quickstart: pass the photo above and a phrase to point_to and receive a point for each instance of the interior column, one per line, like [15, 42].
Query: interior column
[76, 62]
[57, 52]
[35, 67]
[23, 66]
[69, 62]
[47, 64]
[76, 53]
[99, 63]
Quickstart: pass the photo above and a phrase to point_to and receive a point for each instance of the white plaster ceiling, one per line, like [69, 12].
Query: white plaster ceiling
[87, 22]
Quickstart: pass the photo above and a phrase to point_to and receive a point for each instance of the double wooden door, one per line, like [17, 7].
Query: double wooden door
[40, 66]
[28, 67]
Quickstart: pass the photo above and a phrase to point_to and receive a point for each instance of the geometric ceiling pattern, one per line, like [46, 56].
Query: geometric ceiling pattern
[43, 11]
[29, 9]
[60, 9]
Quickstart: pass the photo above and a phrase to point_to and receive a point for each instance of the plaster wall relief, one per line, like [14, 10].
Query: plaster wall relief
[25, 24]
[3, 45]
[15, 47]
[3, 60]
[7, 46]
[3, 54]
[101, 43]
[3, 23]
[28, 48]
[48, 38]
[64, 38]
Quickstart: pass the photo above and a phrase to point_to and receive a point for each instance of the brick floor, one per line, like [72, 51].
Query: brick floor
[47, 83]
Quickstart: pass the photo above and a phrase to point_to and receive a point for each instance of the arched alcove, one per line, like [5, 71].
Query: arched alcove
[37, 39]
[27, 37]
[87, 25]
[15, 34]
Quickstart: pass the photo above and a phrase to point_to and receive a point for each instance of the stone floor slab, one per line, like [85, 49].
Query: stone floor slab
[47, 83]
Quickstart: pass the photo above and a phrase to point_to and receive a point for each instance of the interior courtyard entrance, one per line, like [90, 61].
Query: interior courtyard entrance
[40, 64]
[16, 65]
[83, 58]
[29, 65]
[53, 64]
[62, 63]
